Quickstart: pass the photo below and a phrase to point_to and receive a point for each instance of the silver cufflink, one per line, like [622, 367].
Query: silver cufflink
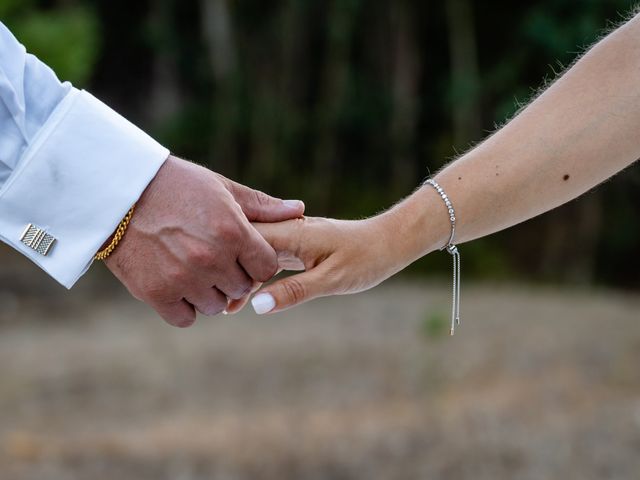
[37, 239]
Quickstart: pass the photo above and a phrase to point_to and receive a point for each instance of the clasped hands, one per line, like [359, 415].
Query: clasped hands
[201, 242]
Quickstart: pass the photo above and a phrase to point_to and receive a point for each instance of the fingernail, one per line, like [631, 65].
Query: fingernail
[263, 303]
[293, 204]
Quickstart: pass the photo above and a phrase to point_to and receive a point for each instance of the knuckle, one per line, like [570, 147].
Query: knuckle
[229, 231]
[260, 198]
[181, 322]
[152, 293]
[294, 290]
[224, 181]
[176, 276]
[215, 307]
[271, 268]
[163, 289]
[200, 255]
[240, 290]
[181, 319]
[268, 270]
[174, 317]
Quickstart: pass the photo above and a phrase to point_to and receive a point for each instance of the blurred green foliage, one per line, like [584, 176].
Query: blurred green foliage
[347, 104]
[68, 38]
[435, 325]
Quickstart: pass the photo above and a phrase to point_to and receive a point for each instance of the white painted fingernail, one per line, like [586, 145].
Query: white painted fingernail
[263, 303]
[293, 204]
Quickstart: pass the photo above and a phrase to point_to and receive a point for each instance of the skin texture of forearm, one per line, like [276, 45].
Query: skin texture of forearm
[579, 132]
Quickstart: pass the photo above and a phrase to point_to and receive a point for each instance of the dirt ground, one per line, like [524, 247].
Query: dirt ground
[537, 384]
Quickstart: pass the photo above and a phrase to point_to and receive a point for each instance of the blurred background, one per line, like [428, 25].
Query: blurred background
[348, 105]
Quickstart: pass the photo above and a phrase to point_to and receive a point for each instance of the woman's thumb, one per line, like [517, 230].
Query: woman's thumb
[288, 292]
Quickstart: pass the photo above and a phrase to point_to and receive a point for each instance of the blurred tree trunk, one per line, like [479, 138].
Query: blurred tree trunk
[465, 79]
[568, 248]
[291, 84]
[217, 30]
[266, 117]
[273, 81]
[588, 233]
[264, 75]
[334, 84]
[406, 70]
[165, 95]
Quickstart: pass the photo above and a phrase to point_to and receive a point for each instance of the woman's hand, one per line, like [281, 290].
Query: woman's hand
[338, 257]
[348, 256]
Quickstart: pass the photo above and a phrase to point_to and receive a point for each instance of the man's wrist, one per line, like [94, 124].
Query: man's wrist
[102, 165]
[108, 249]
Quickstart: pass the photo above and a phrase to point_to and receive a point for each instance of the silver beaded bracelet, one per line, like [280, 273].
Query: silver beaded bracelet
[453, 250]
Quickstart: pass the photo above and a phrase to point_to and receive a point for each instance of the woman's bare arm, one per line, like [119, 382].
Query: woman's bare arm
[583, 129]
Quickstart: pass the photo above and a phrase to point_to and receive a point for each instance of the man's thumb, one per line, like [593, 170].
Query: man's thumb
[260, 207]
[287, 293]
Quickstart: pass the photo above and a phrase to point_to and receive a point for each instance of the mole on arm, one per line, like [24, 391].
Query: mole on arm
[459, 178]
[566, 177]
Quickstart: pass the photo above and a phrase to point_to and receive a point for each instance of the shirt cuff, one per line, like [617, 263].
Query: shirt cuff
[78, 178]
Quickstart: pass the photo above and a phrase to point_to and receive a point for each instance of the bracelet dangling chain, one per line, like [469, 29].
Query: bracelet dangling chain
[453, 251]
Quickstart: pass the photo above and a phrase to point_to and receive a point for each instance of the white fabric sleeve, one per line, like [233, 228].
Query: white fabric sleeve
[76, 179]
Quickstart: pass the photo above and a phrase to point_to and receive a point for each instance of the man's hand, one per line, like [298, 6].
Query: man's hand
[190, 244]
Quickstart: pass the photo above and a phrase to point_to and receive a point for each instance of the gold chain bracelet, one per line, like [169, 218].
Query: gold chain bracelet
[122, 227]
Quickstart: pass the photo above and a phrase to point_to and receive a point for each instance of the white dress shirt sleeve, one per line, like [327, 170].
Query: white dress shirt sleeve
[69, 165]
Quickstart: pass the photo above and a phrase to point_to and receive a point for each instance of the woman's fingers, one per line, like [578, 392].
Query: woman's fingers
[282, 236]
[299, 243]
[290, 291]
[306, 243]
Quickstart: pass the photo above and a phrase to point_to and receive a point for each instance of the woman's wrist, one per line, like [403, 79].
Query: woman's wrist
[416, 226]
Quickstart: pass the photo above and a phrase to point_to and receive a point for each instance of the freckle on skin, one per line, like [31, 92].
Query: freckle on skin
[566, 177]
[459, 178]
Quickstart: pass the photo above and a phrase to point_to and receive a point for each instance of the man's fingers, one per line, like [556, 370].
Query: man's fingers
[260, 207]
[179, 314]
[234, 283]
[235, 306]
[289, 292]
[208, 301]
[257, 257]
